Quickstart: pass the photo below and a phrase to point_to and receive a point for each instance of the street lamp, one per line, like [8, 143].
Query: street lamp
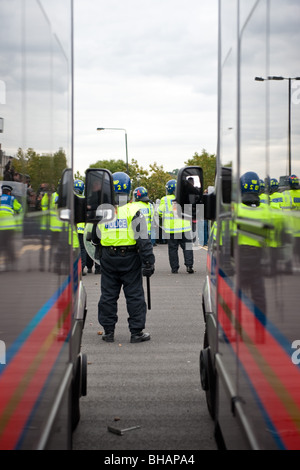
[278, 78]
[117, 129]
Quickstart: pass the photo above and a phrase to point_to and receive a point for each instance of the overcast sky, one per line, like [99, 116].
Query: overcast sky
[149, 67]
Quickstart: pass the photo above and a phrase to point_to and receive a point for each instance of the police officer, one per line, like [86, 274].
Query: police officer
[142, 201]
[292, 204]
[250, 247]
[79, 190]
[276, 198]
[86, 260]
[10, 208]
[262, 194]
[178, 230]
[126, 254]
[292, 195]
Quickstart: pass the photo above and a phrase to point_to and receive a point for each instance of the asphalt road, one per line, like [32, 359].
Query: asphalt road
[153, 387]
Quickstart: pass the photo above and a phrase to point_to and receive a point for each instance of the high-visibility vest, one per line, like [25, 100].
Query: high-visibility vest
[263, 198]
[260, 213]
[146, 208]
[171, 222]
[80, 228]
[45, 206]
[9, 206]
[56, 225]
[119, 232]
[292, 199]
[76, 243]
[276, 200]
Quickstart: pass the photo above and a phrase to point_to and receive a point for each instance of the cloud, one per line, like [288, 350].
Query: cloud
[149, 66]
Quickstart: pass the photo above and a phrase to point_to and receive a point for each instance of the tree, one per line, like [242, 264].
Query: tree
[41, 168]
[111, 165]
[156, 183]
[138, 175]
[208, 164]
[20, 162]
[156, 178]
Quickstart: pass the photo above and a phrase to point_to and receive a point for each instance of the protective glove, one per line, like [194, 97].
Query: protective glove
[148, 270]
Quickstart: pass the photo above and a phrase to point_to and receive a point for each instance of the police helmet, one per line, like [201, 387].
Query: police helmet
[6, 187]
[170, 187]
[250, 182]
[79, 187]
[122, 186]
[141, 194]
[274, 185]
[294, 182]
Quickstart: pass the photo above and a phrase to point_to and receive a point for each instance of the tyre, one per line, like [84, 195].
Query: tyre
[208, 380]
[79, 388]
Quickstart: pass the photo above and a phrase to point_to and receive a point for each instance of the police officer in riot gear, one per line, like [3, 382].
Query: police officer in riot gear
[144, 205]
[79, 190]
[177, 230]
[251, 248]
[126, 254]
[292, 195]
[10, 212]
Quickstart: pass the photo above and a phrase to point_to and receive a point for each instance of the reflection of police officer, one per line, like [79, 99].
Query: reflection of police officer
[251, 275]
[86, 260]
[276, 217]
[177, 229]
[79, 190]
[292, 195]
[292, 204]
[126, 254]
[9, 208]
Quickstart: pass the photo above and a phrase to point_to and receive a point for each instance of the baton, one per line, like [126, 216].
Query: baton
[148, 293]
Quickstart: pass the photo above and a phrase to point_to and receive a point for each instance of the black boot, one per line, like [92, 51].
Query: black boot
[139, 337]
[109, 336]
[189, 269]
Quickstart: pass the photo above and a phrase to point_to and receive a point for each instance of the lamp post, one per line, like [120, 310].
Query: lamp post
[261, 79]
[117, 129]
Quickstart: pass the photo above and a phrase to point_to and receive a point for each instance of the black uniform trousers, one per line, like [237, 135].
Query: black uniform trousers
[82, 250]
[121, 270]
[180, 239]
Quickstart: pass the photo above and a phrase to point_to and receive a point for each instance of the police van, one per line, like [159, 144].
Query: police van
[249, 355]
[43, 373]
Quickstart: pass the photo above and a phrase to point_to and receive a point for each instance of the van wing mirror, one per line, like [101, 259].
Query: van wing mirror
[189, 189]
[99, 195]
[210, 199]
[65, 189]
[226, 184]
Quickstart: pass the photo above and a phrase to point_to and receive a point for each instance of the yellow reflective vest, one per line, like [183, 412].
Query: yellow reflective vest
[146, 208]
[45, 207]
[292, 199]
[276, 200]
[170, 220]
[119, 232]
[10, 207]
[258, 236]
[56, 225]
